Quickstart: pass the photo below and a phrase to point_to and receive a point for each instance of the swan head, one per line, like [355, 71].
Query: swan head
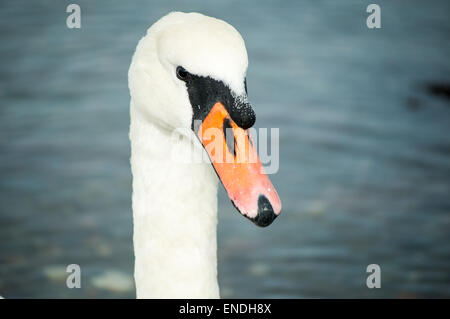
[189, 72]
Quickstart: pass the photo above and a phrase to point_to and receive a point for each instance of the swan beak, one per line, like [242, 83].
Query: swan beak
[231, 151]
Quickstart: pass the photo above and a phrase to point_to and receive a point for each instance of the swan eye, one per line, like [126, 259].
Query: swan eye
[182, 74]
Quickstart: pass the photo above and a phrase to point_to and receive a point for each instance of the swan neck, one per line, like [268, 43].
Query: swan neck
[175, 218]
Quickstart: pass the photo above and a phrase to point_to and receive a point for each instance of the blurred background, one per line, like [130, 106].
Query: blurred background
[364, 118]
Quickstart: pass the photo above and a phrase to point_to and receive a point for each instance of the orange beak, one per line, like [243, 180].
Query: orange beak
[234, 157]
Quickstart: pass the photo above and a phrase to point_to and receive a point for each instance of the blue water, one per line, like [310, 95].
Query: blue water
[364, 148]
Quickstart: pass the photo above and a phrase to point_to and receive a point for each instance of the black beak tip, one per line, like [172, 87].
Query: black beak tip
[265, 215]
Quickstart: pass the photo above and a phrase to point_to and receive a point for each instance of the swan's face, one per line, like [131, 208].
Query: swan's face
[190, 72]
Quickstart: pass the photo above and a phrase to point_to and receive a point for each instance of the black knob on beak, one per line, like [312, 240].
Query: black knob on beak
[243, 114]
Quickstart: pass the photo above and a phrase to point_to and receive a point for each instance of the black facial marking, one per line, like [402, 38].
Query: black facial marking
[229, 136]
[204, 92]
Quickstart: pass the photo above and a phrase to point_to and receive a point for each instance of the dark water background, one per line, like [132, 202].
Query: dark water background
[364, 148]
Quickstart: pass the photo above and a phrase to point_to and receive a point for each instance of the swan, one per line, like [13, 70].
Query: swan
[188, 73]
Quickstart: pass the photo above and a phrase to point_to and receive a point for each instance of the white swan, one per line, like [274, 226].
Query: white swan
[188, 68]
